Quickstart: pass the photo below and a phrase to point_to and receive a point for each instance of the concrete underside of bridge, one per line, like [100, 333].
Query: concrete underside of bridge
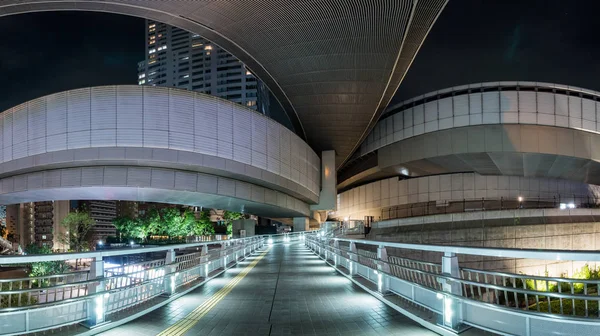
[333, 65]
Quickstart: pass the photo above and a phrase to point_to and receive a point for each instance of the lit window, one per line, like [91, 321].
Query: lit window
[248, 72]
[152, 51]
[251, 103]
[142, 81]
[152, 62]
[186, 76]
[186, 58]
[208, 47]
[152, 25]
[142, 76]
[197, 45]
[195, 35]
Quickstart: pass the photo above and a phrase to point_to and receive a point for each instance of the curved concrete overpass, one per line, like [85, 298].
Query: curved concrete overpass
[140, 143]
[503, 128]
[333, 65]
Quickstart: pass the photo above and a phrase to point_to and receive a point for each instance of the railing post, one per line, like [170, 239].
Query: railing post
[170, 273]
[452, 308]
[204, 258]
[353, 262]
[95, 305]
[223, 255]
[336, 248]
[383, 269]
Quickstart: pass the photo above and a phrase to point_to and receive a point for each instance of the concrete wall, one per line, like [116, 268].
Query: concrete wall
[577, 229]
[166, 127]
[370, 199]
[508, 106]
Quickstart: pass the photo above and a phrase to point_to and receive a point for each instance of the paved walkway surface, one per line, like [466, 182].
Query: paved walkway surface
[282, 290]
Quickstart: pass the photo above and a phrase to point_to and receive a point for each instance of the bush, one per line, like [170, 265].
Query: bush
[14, 299]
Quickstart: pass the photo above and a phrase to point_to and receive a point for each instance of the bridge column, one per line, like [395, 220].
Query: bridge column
[383, 269]
[170, 273]
[96, 305]
[353, 262]
[301, 224]
[452, 308]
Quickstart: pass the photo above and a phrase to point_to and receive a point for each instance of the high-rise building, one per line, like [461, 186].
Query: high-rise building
[177, 58]
[104, 213]
[37, 223]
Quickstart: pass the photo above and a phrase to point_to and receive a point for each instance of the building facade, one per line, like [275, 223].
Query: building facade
[178, 58]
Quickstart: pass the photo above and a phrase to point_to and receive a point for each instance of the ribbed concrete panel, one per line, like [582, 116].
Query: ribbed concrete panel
[133, 183]
[456, 188]
[500, 103]
[110, 120]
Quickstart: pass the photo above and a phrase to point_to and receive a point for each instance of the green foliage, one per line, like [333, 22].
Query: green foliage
[16, 300]
[171, 222]
[77, 227]
[229, 217]
[567, 307]
[203, 226]
[44, 268]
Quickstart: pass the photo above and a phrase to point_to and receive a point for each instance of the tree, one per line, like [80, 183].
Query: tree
[176, 223]
[203, 226]
[77, 227]
[229, 217]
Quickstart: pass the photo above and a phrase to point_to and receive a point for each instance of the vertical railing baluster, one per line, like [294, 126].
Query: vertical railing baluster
[560, 298]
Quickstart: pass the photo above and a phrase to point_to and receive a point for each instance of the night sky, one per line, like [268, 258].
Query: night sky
[472, 41]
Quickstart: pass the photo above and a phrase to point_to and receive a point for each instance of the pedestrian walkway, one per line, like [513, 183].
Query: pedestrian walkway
[283, 289]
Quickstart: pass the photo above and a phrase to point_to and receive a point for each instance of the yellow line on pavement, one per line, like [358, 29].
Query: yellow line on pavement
[186, 323]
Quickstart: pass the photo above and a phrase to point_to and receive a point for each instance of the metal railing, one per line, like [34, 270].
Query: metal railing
[506, 303]
[486, 204]
[90, 295]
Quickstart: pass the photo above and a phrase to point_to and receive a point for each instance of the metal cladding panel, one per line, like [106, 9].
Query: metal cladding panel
[186, 181]
[225, 121]
[36, 120]
[130, 108]
[139, 177]
[242, 154]
[226, 187]
[162, 179]
[35, 181]
[574, 107]
[588, 110]
[461, 105]
[527, 101]
[70, 177]
[79, 139]
[156, 138]
[205, 145]
[408, 118]
[116, 176]
[78, 113]
[7, 139]
[156, 110]
[181, 141]
[207, 184]
[92, 176]
[259, 133]
[509, 101]
[242, 128]
[490, 101]
[181, 112]
[19, 131]
[285, 146]
[431, 111]
[104, 107]
[206, 111]
[561, 105]
[418, 115]
[130, 137]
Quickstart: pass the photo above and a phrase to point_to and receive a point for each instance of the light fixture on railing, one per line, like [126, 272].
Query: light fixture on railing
[520, 198]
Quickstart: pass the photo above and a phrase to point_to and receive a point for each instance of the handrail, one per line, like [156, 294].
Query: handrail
[579, 255]
[8, 260]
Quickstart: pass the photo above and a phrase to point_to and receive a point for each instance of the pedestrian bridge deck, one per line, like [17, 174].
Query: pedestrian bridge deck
[283, 289]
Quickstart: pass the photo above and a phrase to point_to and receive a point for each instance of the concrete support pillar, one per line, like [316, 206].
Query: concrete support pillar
[383, 268]
[96, 304]
[452, 308]
[301, 224]
[328, 193]
[170, 273]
